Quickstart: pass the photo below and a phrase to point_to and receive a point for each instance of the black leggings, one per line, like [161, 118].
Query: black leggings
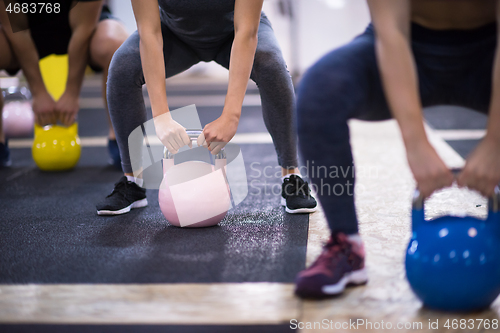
[125, 81]
[454, 68]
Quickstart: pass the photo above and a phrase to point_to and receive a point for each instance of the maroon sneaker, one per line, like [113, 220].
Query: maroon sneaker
[341, 263]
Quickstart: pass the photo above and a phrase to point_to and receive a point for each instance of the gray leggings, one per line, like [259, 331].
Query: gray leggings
[125, 81]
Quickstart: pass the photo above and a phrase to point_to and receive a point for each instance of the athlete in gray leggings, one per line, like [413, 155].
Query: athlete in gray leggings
[233, 33]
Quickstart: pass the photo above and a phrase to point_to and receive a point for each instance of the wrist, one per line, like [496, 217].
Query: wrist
[72, 91]
[492, 137]
[413, 133]
[231, 115]
[38, 90]
[415, 139]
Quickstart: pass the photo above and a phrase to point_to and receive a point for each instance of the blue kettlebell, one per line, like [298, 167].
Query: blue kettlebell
[453, 263]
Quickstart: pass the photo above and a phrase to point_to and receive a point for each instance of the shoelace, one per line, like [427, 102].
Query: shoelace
[297, 186]
[333, 249]
[120, 188]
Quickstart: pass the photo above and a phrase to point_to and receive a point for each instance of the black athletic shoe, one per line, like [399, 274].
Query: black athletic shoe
[296, 196]
[125, 196]
[5, 160]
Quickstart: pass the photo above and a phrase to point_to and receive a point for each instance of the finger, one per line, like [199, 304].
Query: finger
[202, 141]
[424, 191]
[186, 140]
[67, 119]
[462, 179]
[58, 117]
[170, 148]
[44, 119]
[72, 118]
[178, 140]
[489, 190]
[38, 119]
[216, 147]
[449, 179]
[483, 187]
[52, 118]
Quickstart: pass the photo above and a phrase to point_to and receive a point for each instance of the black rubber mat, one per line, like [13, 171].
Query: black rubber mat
[50, 233]
[93, 122]
[453, 117]
[456, 118]
[142, 329]
[463, 147]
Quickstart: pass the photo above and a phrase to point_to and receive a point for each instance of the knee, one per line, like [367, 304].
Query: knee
[108, 37]
[125, 68]
[104, 52]
[269, 62]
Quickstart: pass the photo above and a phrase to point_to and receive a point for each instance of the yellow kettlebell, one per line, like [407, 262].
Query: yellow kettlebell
[55, 147]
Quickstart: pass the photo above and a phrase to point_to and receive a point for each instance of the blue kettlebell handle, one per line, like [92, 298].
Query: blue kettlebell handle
[418, 215]
[493, 202]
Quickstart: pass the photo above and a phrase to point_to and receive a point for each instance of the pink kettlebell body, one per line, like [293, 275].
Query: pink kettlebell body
[18, 119]
[193, 194]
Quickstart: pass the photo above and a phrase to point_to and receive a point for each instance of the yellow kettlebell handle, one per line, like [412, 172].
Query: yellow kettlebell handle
[54, 69]
[71, 130]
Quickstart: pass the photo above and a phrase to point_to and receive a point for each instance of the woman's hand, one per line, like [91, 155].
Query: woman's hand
[67, 108]
[218, 133]
[429, 170]
[43, 107]
[482, 169]
[171, 133]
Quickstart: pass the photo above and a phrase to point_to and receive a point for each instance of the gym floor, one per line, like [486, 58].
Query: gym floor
[63, 268]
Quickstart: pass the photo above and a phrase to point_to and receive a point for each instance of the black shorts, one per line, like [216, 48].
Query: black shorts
[57, 41]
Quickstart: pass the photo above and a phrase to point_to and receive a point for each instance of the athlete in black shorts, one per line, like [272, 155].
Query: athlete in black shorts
[83, 29]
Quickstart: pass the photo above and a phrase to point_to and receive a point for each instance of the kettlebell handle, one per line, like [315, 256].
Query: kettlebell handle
[493, 201]
[193, 135]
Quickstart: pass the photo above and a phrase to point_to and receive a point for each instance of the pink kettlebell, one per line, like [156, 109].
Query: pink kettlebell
[194, 194]
[17, 115]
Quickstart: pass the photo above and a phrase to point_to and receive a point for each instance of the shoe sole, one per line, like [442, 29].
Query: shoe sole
[6, 164]
[298, 210]
[136, 204]
[355, 278]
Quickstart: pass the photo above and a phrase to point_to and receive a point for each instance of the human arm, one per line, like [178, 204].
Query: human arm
[25, 51]
[391, 19]
[147, 16]
[246, 26]
[83, 20]
[482, 168]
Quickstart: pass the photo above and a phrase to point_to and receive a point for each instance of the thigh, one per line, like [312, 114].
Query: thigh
[8, 60]
[126, 62]
[178, 56]
[267, 54]
[109, 35]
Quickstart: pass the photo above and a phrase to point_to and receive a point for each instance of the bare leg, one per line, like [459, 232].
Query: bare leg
[108, 37]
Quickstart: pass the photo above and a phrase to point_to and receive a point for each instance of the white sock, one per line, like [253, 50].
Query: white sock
[138, 181]
[288, 176]
[355, 238]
